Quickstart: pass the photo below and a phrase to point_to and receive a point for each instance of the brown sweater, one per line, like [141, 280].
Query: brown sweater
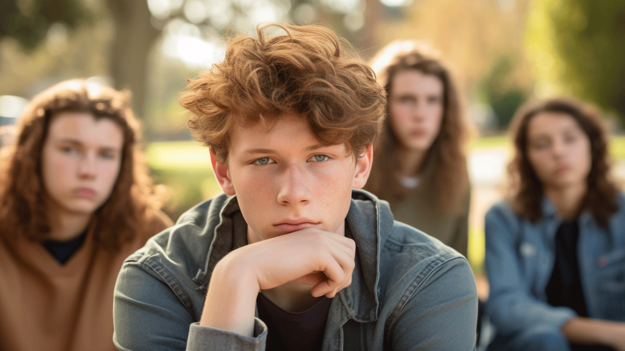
[48, 306]
[419, 210]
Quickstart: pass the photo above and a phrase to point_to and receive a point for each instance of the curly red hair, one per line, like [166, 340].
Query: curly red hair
[22, 206]
[307, 72]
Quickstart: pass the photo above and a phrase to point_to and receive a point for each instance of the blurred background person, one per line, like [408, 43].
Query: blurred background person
[75, 201]
[555, 249]
[420, 163]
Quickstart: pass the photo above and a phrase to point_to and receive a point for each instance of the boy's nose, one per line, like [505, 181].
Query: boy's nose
[293, 187]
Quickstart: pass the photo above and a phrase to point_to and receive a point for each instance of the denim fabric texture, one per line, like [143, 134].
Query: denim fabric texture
[520, 256]
[408, 291]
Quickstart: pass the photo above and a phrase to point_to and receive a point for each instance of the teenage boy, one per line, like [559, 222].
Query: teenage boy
[290, 257]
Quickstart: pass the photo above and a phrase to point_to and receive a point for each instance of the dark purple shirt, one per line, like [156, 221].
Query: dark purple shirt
[287, 331]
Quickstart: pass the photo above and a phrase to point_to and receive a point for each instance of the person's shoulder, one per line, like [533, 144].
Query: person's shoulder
[412, 261]
[502, 212]
[621, 203]
[395, 236]
[617, 220]
[422, 246]
[186, 242]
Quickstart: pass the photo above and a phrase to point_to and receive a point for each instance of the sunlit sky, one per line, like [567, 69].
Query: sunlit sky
[185, 40]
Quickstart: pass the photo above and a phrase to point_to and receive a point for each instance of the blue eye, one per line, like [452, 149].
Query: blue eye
[68, 149]
[321, 158]
[262, 161]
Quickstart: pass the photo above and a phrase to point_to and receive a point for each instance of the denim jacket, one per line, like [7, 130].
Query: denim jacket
[408, 291]
[520, 256]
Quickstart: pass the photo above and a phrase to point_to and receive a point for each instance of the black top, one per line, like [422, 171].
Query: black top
[293, 331]
[565, 285]
[63, 250]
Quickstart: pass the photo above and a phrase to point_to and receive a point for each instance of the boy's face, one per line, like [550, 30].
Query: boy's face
[286, 181]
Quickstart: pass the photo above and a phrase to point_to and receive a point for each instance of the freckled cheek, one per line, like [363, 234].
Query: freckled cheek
[256, 186]
[335, 186]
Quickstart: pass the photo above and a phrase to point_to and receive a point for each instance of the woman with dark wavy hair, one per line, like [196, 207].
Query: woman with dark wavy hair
[555, 249]
[420, 165]
[75, 201]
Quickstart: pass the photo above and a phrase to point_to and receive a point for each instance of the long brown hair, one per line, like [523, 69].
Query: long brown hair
[445, 163]
[526, 190]
[22, 207]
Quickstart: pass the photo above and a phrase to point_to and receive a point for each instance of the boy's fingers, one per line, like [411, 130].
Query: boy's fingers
[312, 278]
[335, 275]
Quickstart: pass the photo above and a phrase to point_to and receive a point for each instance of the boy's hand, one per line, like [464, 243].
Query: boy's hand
[310, 256]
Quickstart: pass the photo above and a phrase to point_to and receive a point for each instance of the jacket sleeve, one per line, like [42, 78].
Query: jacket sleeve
[511, 306]
[441, 314]
[149, 315]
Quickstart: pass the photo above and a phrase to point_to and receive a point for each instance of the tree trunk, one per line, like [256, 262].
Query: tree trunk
[134, 36]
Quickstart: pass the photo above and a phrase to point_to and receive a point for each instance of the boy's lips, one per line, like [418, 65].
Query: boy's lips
[288, 226]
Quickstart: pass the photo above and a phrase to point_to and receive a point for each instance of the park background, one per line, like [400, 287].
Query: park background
[503, 52]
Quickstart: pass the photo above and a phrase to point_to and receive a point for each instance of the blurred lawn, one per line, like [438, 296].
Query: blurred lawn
[184, 166]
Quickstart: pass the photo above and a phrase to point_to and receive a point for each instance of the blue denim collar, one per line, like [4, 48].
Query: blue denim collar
[365, 221]
[553, 219]
[550, 213]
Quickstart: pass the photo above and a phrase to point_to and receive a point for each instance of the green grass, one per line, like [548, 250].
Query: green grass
[184, 167]
[617, 144]
[489, 142]
[178, 155]
[617, 147]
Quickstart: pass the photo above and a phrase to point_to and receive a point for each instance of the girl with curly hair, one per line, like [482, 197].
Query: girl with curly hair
[75, 201]
[555, 249]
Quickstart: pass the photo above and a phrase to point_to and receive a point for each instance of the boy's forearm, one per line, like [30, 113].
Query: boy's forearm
[590, 331]
[231, 299]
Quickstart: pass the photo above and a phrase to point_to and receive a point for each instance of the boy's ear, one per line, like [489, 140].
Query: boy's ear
[363, 168]
[222, 174]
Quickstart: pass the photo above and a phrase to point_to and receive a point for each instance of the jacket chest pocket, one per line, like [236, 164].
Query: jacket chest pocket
[610, 285]
[531, 260]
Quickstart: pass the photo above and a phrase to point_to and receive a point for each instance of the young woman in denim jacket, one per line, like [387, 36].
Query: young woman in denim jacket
[555, 250]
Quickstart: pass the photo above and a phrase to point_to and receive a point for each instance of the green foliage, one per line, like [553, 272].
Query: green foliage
[577, 48]
[185, 168]
[28, 21]
[499, 91]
